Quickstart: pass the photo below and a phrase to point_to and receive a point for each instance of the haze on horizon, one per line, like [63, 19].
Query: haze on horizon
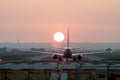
[38, 20]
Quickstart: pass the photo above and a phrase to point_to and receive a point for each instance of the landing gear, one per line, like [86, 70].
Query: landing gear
[60, 59]
[79, 57]
[74, 59]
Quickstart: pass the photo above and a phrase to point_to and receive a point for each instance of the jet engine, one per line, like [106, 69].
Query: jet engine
[54, 56]
[79, 57]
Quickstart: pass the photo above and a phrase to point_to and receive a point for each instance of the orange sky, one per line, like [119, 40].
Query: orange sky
[38, 20]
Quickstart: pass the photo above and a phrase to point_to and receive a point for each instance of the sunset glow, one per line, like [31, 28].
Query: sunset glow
[58, 36]
[37, 20]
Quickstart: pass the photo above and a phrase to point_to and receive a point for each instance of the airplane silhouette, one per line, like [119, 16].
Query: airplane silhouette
[68, 52]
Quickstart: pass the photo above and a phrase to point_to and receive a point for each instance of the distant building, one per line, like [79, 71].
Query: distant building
[3, 50]
[14, 50]
[38, 49]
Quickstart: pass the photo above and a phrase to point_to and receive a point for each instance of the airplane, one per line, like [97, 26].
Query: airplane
[68, 52]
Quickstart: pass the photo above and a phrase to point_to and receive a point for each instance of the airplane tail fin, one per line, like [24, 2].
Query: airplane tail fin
[68, 38]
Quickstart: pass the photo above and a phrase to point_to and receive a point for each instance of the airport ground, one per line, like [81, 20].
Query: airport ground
[46, 74]
[37, 56]
[73, 70]
[110, 57]
[19, 56]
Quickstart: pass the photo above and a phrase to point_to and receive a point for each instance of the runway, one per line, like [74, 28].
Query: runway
[37, 64]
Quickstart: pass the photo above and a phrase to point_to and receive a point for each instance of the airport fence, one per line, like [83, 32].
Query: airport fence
[60, 71]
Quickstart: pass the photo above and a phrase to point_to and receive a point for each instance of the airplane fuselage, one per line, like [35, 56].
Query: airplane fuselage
[67, 53]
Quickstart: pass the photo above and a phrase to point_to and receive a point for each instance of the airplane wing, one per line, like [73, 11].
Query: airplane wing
[46, 53]
[59, 54]
[75, 54]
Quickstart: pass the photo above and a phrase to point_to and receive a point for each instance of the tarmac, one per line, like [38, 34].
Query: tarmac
[38, 64]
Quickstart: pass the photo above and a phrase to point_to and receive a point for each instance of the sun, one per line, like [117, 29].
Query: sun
[58, 36]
